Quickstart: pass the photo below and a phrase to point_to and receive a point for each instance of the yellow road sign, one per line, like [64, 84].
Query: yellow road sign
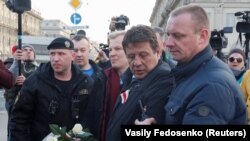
[75, 3]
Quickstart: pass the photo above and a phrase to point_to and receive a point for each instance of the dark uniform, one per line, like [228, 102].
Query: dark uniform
[45, 100]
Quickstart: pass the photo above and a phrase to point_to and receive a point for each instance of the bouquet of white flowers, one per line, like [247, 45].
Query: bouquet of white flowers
[76, 134]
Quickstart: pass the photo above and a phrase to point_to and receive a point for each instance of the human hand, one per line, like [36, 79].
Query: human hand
[147, 121]
[112, 24]
[18, 54]
[20, 80]
[102, 56]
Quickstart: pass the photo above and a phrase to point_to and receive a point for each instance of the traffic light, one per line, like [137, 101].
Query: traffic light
[19, 6]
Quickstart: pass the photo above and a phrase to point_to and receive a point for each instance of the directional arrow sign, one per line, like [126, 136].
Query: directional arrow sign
[75, 3]
[75, 18]
[75, 27]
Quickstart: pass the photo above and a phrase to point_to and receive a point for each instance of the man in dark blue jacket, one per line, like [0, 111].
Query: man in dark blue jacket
[56, 93]
[151, 83]
[206, 91]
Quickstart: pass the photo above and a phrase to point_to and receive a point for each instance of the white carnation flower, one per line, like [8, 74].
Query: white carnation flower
[77, 128]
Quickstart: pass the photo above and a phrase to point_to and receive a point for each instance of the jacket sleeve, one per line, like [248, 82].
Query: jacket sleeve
[14, 68]
[22, 113]
[215, 104]
[6, 77]
[158, 96]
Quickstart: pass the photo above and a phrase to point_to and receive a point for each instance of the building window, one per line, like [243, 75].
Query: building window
[230, 19]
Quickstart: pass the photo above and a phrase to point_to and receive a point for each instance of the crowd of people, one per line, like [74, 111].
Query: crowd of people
[177, 81]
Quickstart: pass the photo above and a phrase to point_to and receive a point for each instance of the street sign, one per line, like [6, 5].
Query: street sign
[75, 3]
[75, 18]
[75, 27]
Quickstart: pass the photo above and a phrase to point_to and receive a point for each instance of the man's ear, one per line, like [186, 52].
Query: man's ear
[204, 36]
[73, 55]
[159, 52]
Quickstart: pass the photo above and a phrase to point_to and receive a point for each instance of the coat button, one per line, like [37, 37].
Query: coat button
[203, 111]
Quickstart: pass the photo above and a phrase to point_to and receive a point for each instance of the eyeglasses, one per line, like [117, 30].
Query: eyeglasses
[232, 59]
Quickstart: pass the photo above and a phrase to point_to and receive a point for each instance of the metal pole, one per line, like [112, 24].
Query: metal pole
[19, 39]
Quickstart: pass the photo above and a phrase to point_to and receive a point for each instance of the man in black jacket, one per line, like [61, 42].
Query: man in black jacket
[57, 93]
[151, 83]
[82, 49]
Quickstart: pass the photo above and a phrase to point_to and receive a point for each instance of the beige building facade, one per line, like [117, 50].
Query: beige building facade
[220, 12]
[54, 28]
[31, 21]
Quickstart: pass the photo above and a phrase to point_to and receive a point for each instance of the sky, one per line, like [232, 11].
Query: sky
[96, 13]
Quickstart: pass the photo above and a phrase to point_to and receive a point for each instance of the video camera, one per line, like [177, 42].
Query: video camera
[218, 40]
[121, 22]
[244, 25]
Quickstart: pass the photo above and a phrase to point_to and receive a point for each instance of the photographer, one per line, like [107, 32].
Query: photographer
[103, 58]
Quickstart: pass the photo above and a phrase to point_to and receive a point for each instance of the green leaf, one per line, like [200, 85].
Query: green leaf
[84, 135]
[55, 129]
[63, 131]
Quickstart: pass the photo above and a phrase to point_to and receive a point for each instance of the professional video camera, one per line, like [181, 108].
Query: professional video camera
[244, 25]
[218, 40]
[121, 22]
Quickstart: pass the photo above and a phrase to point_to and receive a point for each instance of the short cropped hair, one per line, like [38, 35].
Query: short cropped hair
[79, 37]
[199, 15]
